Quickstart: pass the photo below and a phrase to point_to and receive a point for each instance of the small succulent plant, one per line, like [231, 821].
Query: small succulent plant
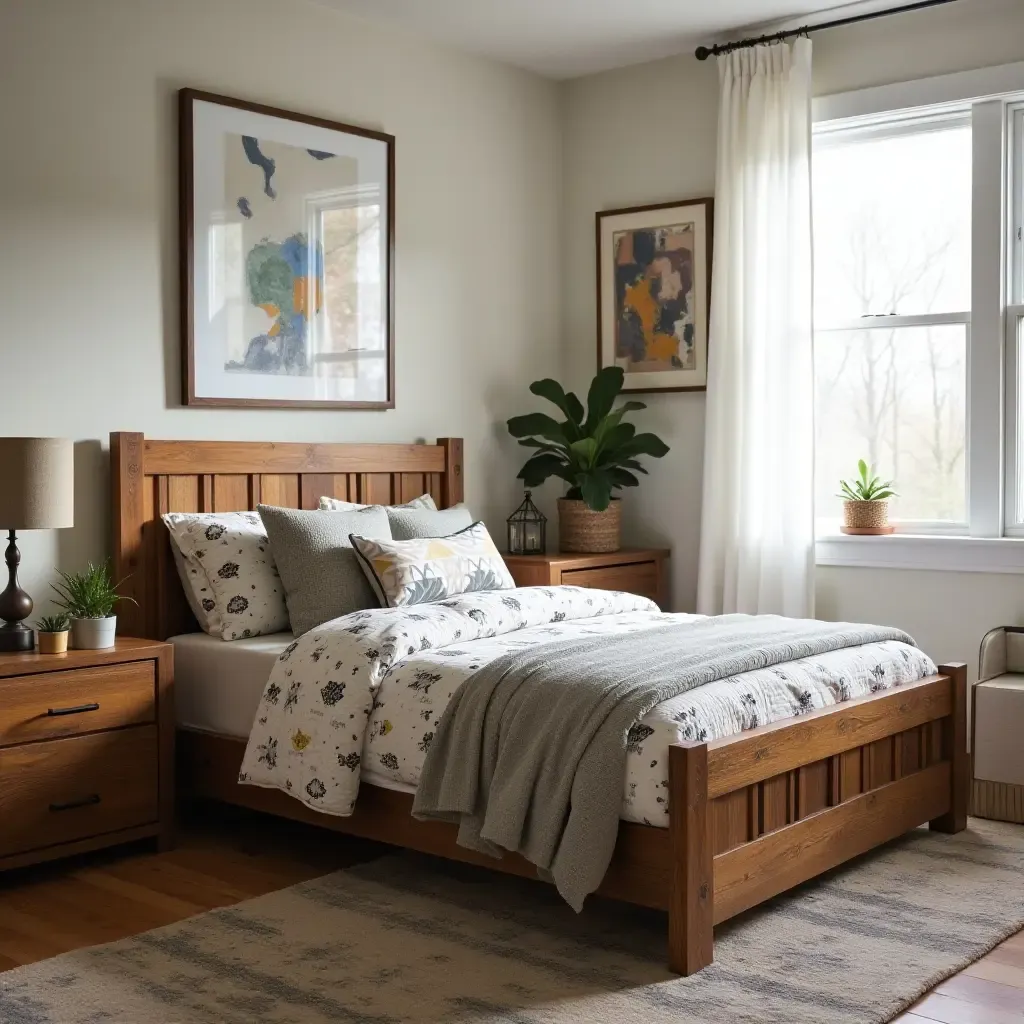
[54, 623]
[866, 487]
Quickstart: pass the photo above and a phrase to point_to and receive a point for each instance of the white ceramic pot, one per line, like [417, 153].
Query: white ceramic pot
[93, 634]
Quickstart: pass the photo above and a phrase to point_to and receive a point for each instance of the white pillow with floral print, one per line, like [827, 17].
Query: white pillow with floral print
[230, 571]
[429, 569]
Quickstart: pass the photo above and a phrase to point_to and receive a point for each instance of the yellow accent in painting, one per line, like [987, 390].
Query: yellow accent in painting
[663, 347]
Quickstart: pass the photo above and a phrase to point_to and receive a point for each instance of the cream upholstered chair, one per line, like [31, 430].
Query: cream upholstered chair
[998, 715]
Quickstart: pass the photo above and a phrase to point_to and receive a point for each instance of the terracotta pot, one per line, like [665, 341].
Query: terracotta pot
[866, 517]
[583, 530]
[93, 634]
[52, 643]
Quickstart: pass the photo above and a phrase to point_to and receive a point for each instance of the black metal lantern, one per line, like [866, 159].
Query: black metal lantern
[526, 529]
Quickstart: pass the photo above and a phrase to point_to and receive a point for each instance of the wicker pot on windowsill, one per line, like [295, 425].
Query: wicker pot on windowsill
[866, 518]
[581, 529]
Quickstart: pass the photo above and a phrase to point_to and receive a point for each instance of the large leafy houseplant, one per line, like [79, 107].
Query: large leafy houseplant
[593, 450]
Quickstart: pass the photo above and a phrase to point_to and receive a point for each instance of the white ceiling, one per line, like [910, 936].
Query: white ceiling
[566, 38]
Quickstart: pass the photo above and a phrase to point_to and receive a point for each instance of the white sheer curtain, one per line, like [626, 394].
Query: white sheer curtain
[757, 525]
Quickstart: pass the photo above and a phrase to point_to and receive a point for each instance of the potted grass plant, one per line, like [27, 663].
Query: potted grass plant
[593, 450]
[866, 503]
[89, 599]
[52, 633]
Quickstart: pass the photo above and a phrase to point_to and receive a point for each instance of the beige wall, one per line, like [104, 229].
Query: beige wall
[647, 134]
[88, 222]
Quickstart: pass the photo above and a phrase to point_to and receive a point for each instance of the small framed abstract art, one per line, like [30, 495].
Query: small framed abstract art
[654, 294]
[287, 258]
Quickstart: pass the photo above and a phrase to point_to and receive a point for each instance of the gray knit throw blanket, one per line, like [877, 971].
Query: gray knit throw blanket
[530, 754]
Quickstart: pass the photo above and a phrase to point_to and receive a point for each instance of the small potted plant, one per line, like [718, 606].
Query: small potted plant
[52, 633]
[89, 598]
[593, 450]
[866, 503]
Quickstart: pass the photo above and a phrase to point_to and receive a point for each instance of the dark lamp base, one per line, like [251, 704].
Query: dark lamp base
[16, 637]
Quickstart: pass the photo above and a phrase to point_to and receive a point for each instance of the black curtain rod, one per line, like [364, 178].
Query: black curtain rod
[703, 52]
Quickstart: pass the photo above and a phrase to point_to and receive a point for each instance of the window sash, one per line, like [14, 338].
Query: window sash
[826, 526]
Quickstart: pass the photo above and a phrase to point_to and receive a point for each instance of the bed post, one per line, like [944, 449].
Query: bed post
[452, 486]
[126, 479]
[954, 747]
[691, 883]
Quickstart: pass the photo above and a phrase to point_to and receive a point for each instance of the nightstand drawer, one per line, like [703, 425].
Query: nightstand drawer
[640, 578]
[62, 790]
[53, 704]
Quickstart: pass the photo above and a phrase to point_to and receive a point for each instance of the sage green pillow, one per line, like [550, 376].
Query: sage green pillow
[321, 576]
[417, 523]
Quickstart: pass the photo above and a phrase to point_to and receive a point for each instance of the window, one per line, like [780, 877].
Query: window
[892, 310]
[343, 233]
[1014, 327]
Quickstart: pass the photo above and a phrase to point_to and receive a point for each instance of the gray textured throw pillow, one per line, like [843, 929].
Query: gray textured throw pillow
[416, 523]
[319, 570]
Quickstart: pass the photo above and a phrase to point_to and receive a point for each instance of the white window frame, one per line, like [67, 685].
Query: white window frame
[994, 540]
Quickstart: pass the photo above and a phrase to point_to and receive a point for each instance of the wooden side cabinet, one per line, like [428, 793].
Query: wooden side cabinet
[640, 571]
[86, 750]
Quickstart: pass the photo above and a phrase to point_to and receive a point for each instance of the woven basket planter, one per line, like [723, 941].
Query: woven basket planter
[866, 517]
[583, 530]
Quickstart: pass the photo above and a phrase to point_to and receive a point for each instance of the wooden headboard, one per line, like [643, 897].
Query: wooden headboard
[149, 478]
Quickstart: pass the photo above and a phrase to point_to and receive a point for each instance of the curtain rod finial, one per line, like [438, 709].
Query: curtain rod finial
[702, 53]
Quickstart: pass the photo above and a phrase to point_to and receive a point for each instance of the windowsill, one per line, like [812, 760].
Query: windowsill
[918, 551]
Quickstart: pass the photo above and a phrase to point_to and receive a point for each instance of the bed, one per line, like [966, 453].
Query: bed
[748, 815]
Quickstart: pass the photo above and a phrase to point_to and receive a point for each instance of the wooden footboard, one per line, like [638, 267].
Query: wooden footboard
[758, 813]
[750, 816]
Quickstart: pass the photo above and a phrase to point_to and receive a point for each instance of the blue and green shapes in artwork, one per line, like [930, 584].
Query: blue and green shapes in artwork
[266, 164]
[280, 282]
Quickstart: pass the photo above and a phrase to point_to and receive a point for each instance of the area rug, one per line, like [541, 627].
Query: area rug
[413, 939]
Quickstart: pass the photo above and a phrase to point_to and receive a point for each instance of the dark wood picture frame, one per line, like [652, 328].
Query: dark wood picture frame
[186, 196]
[708, 203]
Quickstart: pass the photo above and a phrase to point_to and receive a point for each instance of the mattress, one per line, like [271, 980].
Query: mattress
[218, 686]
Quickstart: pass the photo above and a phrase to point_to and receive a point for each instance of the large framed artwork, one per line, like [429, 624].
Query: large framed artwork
[654, 294]
[287, 238]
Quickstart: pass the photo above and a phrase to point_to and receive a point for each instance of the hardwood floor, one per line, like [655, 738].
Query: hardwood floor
[227, 855]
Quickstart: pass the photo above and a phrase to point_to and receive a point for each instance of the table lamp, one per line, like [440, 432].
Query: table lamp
[37, 492]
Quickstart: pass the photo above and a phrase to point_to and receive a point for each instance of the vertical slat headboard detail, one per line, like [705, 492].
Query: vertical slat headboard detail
[149, 478]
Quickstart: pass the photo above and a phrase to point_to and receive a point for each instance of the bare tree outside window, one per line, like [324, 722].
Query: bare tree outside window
[892, 236]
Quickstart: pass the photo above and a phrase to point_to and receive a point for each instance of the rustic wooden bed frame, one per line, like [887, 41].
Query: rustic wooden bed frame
[750, 816]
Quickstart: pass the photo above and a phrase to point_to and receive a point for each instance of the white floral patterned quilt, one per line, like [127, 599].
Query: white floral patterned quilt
[364, 691]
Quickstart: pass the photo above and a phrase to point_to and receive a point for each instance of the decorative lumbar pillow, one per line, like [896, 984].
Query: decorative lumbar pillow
[318, 567]
[230, 572]
[413, 523]
[336, 504]
[406, 572]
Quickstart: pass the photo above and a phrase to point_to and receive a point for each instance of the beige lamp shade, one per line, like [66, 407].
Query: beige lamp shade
[37, 483]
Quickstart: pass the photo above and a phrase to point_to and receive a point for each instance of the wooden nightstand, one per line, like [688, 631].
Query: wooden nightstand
[636, 570]
[86, 750]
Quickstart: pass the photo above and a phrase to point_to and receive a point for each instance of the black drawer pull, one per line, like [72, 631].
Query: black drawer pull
[55, 712]
[70, 805]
